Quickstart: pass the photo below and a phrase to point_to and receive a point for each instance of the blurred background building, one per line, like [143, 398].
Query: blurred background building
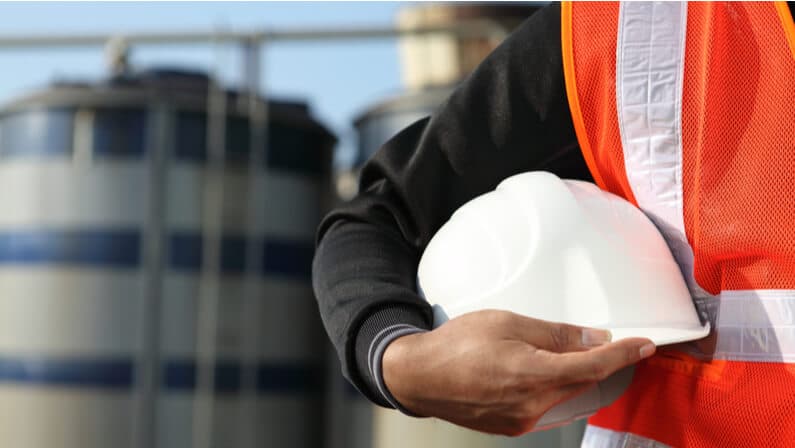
[157, 230]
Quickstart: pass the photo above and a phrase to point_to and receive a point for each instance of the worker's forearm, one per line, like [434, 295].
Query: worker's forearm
[361, 272]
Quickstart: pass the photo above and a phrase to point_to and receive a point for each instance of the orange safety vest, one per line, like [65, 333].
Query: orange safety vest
[688, 111]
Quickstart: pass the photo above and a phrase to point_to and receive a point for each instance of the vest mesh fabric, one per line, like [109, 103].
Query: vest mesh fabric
[595, 69]
[738, 135]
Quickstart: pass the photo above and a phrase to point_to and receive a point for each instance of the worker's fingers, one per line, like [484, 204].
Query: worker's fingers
[598, 363]
[560, 338]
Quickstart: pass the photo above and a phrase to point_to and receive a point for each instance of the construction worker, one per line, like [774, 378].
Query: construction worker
[686, 110]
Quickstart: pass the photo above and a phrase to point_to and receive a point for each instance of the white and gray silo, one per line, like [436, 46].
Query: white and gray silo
[155, 266]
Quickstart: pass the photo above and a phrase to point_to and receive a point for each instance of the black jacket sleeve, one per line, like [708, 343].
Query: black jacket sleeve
[509, 116]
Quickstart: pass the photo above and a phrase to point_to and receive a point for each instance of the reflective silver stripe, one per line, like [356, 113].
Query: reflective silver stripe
[596, 437]
[649, 69]
[751, 326]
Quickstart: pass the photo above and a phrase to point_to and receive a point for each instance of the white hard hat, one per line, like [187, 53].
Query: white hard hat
[561, 251]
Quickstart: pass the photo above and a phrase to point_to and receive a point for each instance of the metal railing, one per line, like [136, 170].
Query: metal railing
[469, 28]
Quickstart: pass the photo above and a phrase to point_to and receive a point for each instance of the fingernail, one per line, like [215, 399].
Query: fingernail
[647, 350]
[592, 337]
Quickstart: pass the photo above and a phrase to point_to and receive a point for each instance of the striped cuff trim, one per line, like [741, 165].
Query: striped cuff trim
[375, 356]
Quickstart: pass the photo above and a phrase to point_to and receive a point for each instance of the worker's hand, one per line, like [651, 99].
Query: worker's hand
[499, 372]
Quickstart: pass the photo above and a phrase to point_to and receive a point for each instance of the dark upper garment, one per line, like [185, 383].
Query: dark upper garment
[511, 115]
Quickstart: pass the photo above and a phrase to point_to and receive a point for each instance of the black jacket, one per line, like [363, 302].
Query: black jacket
[511, 115]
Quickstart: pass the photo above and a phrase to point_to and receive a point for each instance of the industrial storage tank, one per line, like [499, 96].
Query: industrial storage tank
[155, 258]
[388, 117]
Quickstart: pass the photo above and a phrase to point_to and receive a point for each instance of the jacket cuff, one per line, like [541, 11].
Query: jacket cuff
[376, 356]
[374, 336]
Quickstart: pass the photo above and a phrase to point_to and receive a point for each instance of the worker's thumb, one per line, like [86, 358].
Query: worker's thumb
[561, 338]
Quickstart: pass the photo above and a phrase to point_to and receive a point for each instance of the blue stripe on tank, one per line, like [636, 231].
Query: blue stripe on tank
[288, 258]
[285, 378]
[186, 251]
[122, 132]
[177, 375]
[181, 375]
[101, 373]
[289, 378]
[122, 249]
[114, 248]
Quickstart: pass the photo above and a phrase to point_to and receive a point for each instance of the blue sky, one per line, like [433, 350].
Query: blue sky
[338, 79]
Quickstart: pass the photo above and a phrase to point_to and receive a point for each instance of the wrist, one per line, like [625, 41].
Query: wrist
[398, 373]
[380, 328]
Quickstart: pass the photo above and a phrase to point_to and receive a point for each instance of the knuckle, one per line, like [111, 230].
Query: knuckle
[497, 317]
[599, 371]
[560, 336]
[512, 428]
[518, 372]
[631, 356]
[518, 426]
[533, 411]
[535, 408]
[514, 431]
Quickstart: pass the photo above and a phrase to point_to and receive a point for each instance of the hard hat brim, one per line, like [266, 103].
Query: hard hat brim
[662, 335]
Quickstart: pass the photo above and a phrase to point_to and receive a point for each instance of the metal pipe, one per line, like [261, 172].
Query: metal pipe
[469, 28]
[212, 228]
[155, 249]
[255, 202]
